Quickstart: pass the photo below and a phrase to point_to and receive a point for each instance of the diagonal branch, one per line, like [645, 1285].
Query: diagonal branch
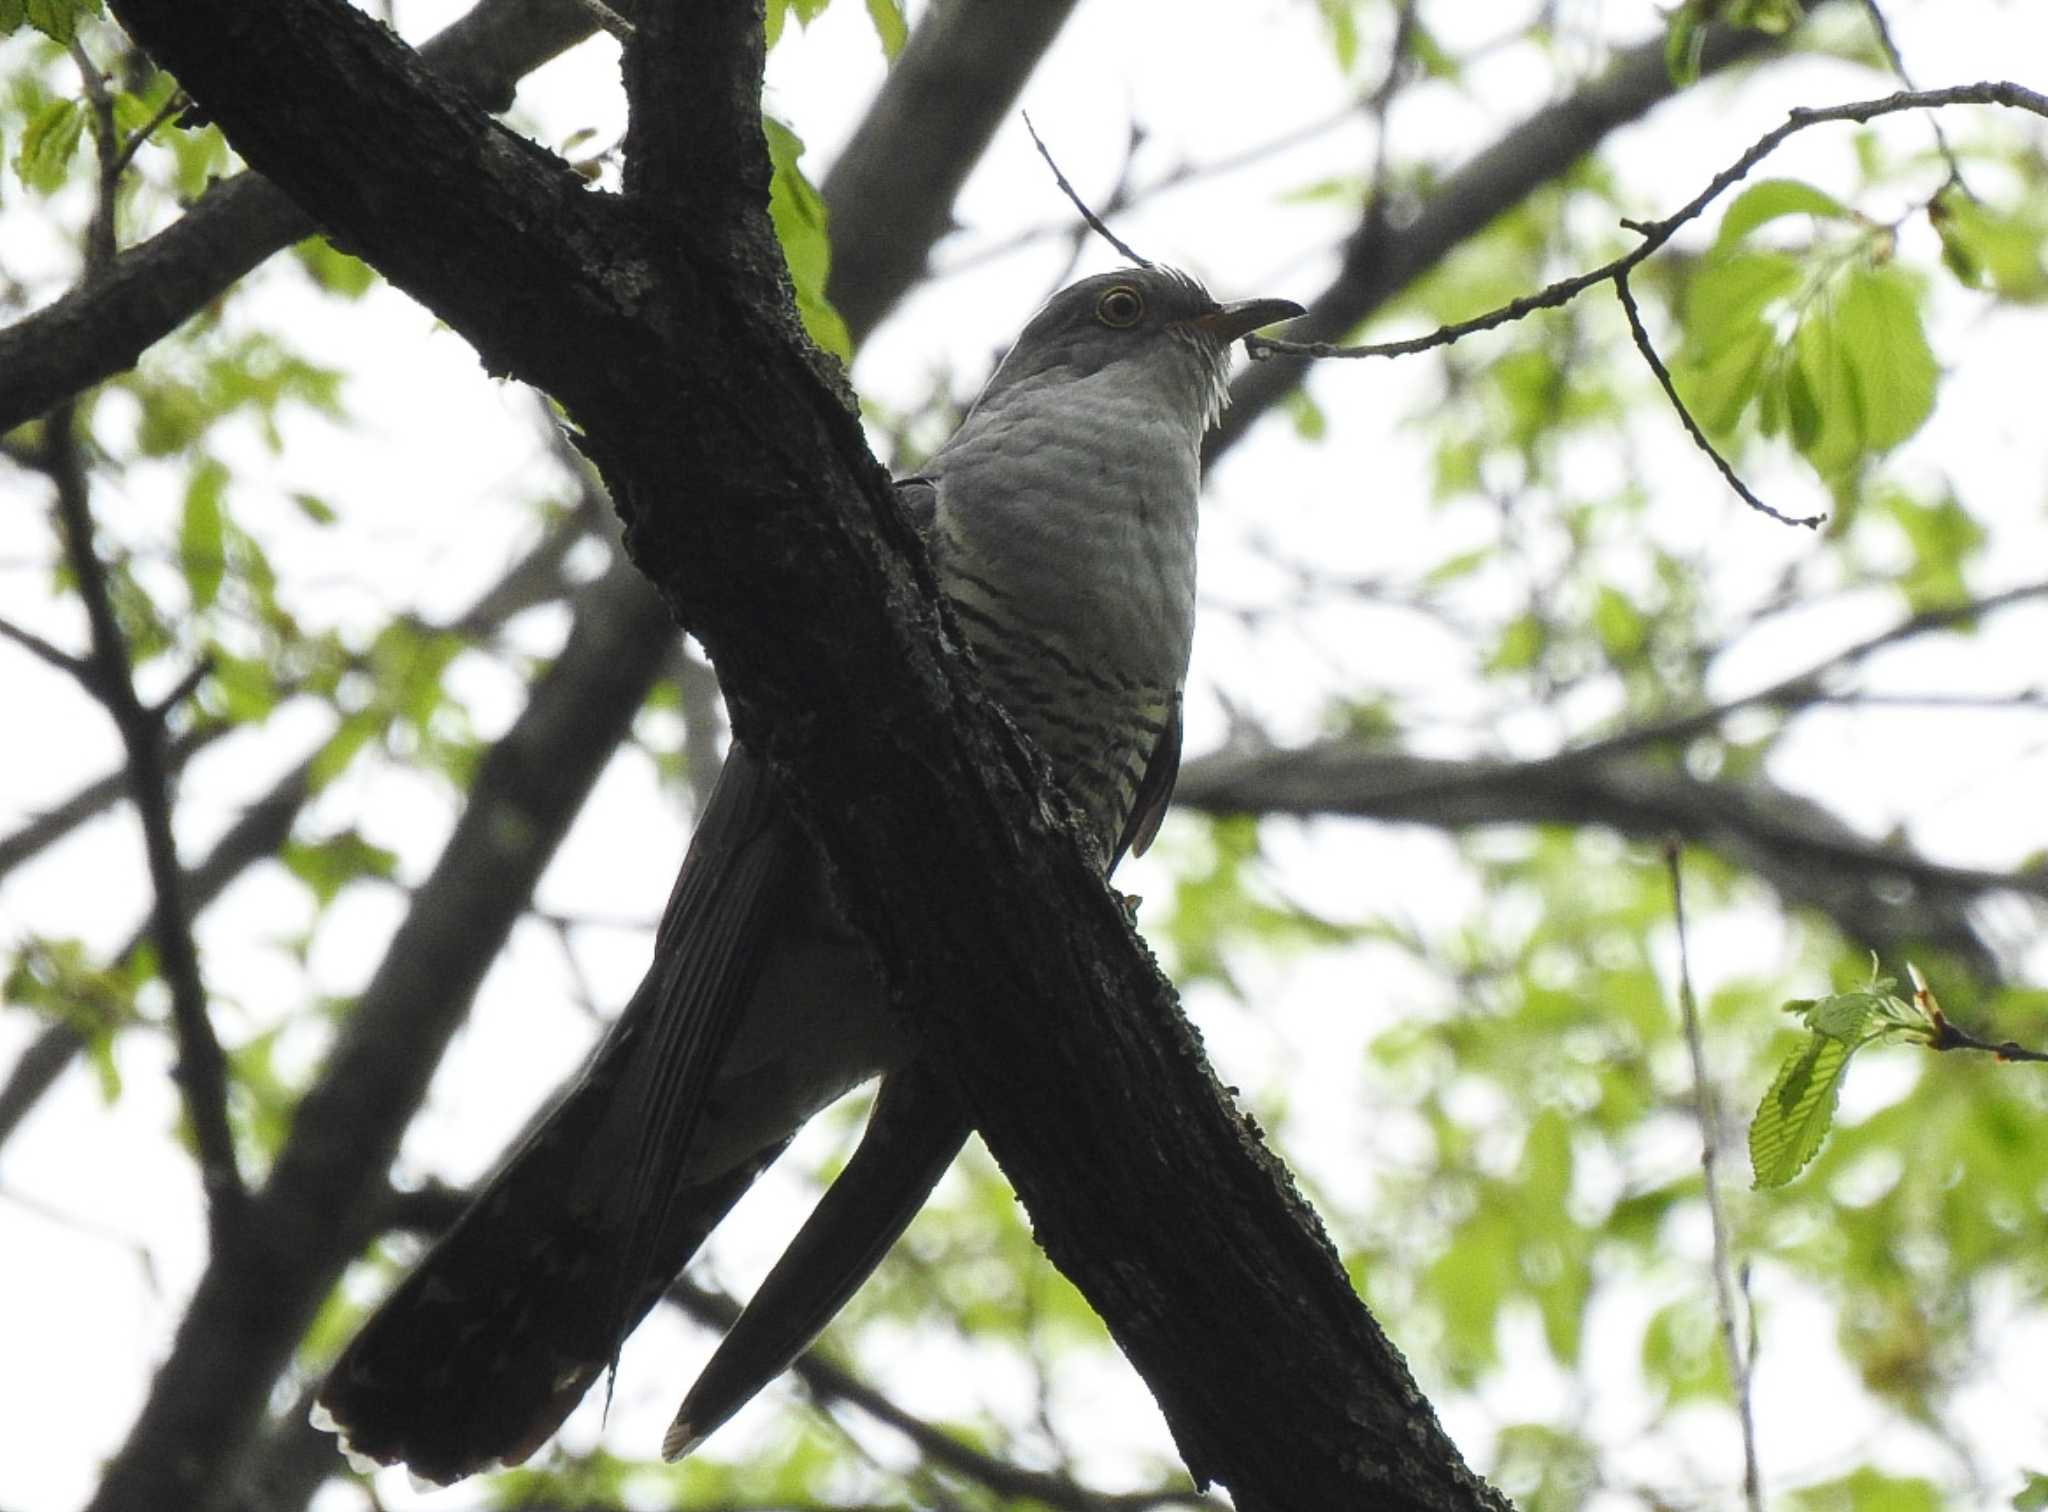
[201, 1069]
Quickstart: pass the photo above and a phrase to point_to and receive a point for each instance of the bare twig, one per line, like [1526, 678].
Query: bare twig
[1897, 60]
[95, 798]
[1692, 428]
[608, 18]
[1095, 222]
[99, 235]
[44, 651]
[1947, 1036]
[201, 1070]
[1739, 1362]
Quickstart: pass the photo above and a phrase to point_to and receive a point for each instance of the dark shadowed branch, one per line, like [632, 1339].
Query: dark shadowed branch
[201, 1068]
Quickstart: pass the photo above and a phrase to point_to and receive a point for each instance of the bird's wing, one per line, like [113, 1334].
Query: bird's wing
[912, 1136]
[1155, 788]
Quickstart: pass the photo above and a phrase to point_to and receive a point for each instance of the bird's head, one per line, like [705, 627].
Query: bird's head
[1154, 324]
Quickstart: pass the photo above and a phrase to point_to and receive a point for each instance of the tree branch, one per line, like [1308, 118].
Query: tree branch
[1882, 895]
[201, 1069]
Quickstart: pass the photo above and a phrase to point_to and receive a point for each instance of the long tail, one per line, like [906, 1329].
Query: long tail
[913, 1134]
[475, 1359]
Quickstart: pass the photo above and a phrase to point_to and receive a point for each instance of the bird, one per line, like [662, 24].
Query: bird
[1060, 519]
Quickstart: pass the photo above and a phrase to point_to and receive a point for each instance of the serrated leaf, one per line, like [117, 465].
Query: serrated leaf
[1846, 1016]
[202, 554]
[1797, 1111]
[890, 28]
[1770, 200]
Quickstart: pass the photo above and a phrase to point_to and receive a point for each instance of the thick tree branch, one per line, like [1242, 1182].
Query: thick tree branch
[748, 487]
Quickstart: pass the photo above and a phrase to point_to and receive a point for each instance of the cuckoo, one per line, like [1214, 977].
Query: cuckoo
[1060, 519]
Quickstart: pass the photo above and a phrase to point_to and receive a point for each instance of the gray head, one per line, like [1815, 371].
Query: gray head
[1155, 325]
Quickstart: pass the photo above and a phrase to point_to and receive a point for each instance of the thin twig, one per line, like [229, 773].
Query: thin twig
[1897, 60]
[1095, 222]
[1692, 427]
[174, 102]
[1739, 1361]
[99, 233]
[201, 1070]
[56, 656]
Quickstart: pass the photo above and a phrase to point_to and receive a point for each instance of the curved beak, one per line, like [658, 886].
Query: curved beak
[1227, 322]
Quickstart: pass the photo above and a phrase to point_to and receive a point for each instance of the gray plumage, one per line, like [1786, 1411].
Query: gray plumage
[1061, 523]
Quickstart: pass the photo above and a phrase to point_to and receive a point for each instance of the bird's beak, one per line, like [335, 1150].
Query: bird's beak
[1226, 323]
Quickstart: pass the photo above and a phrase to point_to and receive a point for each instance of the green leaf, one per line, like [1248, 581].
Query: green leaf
[333, 270]
[1882, 341]
[890, 28]
[327, 866]
[47, 143]
[56, 19]
[202, 556]
[1731, 294]
[1770, 200]
[315, 508]
[1684, 39]
[245, 685]
[1987, 248]
[2033, 1496]
[1822, 395]
[1795, 1114]
[1618, 623]
[799, 216]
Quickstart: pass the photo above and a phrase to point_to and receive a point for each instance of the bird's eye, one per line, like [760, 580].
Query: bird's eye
[1120, 307]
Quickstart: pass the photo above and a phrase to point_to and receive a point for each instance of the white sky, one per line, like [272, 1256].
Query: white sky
[99, 1230]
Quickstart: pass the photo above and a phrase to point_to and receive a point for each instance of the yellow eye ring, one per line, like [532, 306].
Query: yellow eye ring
[1120, 307]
